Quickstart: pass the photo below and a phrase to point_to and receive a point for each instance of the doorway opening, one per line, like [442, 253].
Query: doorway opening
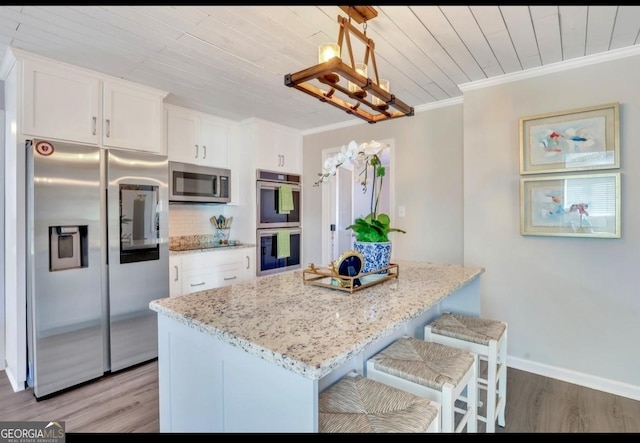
[343, 201]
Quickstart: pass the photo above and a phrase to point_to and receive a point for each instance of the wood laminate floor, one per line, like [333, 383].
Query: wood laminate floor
[127, 402]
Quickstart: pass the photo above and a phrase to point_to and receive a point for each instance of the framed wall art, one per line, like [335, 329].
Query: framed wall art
[571, 205]
[574, 140]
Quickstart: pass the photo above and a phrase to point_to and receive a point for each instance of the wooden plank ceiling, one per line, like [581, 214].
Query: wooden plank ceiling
[230, 61]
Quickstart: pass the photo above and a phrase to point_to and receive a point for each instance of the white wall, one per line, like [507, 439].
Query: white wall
[15, 267]
[427, 181]
[2, 258]
[572, 304]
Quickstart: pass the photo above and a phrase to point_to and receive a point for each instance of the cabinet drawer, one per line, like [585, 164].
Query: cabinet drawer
[209, 260]
[198, 281]
[228, 274]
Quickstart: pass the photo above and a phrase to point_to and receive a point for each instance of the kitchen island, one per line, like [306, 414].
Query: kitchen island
[253, 356]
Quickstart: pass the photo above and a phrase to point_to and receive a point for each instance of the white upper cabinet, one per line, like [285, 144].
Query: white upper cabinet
[277, 148]
[60, 101]
[182, 135]
[132, 117]
[197, 138]
[214, 141]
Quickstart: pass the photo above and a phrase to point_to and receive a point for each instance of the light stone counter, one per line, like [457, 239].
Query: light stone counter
[254, 356]
[188, 244]
[205, 248]
[311, 330]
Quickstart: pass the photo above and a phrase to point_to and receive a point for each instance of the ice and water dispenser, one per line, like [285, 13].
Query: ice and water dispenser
[67, 247]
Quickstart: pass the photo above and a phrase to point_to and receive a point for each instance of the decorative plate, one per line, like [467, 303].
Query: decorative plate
[349, 264]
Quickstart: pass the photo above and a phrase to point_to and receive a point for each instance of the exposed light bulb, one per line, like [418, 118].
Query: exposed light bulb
[384, 84]
[361, 69]
[327, 51]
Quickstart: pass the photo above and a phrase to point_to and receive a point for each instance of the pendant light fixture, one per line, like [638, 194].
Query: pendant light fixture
[346, 85]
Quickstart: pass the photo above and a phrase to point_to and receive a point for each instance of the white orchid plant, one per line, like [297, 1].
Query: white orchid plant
[374, 227]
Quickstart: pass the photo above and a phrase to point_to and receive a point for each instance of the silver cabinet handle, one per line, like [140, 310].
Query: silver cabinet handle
[93, 125]
[196, 151]
[197, 284]
[176, 279]
[282, 160]
[230, 278]
[204, 149]
[248, 262]
[108, 128]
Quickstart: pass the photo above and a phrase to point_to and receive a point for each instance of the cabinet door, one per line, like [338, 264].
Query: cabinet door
[175, 279]
[198, 281]
[249, 264]
[182, 135]
[278, 149]
[213, 134]
[291, 151]
[229, 274]
[60, 103]
[132, 117]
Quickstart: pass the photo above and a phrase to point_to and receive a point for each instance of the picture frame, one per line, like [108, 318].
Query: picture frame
[571, 205]
[574, 140]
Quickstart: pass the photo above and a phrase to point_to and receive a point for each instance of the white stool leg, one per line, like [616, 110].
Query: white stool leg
[502, 381]
[491, 386]
[448, 413]
[472, 397]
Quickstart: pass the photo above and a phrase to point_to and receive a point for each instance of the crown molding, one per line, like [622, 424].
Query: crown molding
[564, 65]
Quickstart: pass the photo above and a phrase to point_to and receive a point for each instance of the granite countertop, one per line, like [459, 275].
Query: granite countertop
[301, 327]
[187, 244]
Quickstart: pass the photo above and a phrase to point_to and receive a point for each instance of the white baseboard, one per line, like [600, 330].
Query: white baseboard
[15, 384]
[577, 378]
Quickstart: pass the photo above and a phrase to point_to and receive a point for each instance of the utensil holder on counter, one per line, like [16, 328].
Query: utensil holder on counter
[222, 236]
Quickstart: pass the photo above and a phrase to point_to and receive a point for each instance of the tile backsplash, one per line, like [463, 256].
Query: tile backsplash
[185, 219]
[193, 219]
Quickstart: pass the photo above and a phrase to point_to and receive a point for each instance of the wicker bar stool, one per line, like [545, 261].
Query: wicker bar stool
[488, 339]
[357, 404]
[433, 371]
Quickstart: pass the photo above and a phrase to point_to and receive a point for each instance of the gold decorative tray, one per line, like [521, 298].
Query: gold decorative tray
[329, 278]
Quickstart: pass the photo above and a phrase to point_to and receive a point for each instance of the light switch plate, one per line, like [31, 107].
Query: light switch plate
[401, 211]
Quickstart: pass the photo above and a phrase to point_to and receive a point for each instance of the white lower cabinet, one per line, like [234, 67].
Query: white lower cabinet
[202, 270]
[175, 281]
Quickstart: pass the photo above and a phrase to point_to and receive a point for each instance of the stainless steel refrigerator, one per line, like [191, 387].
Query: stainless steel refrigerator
[97, 254]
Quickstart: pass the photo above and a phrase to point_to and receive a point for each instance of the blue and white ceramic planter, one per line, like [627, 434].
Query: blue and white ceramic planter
[376, 255]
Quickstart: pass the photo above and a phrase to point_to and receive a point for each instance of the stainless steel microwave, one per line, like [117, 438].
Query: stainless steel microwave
[198, 184]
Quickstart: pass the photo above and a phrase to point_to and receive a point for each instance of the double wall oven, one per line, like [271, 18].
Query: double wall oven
[272, 222]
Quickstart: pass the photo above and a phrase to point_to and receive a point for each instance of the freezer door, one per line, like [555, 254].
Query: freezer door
[65, 288]
[138, 253]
